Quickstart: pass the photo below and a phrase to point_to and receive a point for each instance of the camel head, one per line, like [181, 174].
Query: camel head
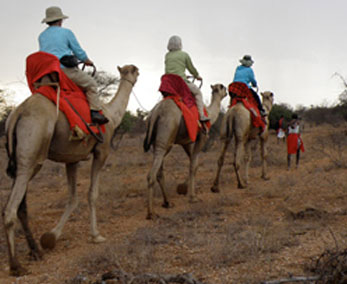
[129, 73]
[219, 89]
[268, 98]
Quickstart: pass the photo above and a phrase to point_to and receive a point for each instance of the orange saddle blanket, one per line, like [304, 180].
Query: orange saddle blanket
[240, 92]
[40, 64]
[173, 87]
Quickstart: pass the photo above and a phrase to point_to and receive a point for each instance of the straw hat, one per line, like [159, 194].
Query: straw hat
[53, 14]
[247, 61]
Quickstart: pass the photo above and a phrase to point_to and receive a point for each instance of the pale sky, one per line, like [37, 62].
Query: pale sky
[297, 45]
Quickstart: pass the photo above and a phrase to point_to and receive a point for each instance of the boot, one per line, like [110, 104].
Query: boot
[97, 117]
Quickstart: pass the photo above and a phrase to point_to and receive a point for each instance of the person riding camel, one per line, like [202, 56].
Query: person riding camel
[176, 62]
[62, 43]
[245, 74]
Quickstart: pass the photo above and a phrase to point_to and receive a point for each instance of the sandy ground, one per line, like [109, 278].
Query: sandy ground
[270, 230]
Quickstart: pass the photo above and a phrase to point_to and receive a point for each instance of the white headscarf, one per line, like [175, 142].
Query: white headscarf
[175, 43]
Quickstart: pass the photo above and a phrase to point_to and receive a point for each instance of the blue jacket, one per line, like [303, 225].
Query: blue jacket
[59, 42]
[245, 75]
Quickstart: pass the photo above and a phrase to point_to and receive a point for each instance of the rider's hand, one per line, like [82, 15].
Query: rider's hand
[88, 62]
[198, 78]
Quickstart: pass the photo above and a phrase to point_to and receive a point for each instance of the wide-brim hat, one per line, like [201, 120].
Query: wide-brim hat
[247, 60]
[53, 14]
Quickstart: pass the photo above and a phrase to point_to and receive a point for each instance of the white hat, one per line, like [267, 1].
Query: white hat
[53, 14]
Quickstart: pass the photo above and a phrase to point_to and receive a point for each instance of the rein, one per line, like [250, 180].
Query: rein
[124, 79]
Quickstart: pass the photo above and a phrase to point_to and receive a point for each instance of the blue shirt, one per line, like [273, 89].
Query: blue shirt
[61, 41]
[245, 75]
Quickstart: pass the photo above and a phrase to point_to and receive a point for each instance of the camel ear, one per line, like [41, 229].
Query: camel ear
[271, 94]
[119, 69]
[211, 86]
[134, 69]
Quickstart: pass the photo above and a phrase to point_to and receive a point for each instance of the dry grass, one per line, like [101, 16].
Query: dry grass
[267, 231]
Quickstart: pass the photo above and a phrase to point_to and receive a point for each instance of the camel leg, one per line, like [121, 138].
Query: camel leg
[248, 157]
[215, 187]
[151, 179]
[98, 162]
[48, 240]
[182, 188]
[263, 148]
[238, 159]
[35, 252]
[161, 181]
[10, 217]
[194, 160]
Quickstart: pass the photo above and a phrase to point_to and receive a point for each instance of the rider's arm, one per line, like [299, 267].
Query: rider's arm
[191, 68]
[76, 48]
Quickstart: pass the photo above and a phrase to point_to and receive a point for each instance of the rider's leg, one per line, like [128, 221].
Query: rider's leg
[90, 87]
[199, 103]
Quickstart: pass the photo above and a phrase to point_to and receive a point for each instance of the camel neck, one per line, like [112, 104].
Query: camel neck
[213, 108]
[116, 108]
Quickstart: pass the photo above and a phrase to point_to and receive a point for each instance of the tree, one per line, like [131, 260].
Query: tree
[5, 110]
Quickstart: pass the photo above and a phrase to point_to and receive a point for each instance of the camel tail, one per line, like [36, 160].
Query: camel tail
[11, 142]
[150, 133]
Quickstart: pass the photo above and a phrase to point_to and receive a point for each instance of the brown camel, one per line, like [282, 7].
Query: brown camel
[238, 124]
[35, 132]
[166, 127]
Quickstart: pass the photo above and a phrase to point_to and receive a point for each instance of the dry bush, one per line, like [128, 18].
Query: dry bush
[333, 146]
[247, 239]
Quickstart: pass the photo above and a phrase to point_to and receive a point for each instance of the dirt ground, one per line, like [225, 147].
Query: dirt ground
[271, 230]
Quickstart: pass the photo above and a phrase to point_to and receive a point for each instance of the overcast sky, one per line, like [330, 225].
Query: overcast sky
[297, 45]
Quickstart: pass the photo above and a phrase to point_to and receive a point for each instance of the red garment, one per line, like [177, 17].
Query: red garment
[173, 87]
[294, 142]
[40, 64]
[241, 93]
[240, 89]
[280, 125]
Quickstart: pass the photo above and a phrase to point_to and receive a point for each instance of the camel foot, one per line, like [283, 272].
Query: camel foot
[36, 254]
[152, 216]
[98, 239]
[194, 199]
[17, 270]
[242, 186]
[265, 177]
[48, 240]
[215, 189]
[182, 189]
[168, 205]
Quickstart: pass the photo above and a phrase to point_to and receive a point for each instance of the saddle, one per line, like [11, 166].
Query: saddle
[45, 76]
[173, 87]
[239, 92]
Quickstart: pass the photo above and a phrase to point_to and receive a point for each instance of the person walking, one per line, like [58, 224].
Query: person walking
[295, 143]
[62, 43]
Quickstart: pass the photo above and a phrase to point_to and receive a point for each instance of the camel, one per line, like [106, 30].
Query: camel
[36, 132]
[237, 122]
[165, 128]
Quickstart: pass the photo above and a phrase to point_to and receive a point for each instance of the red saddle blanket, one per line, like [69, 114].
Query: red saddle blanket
[240, 92]
[40, 64]
[173, 87]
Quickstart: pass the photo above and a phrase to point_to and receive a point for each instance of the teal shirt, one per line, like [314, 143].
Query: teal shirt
[61, 41]
[176, 62]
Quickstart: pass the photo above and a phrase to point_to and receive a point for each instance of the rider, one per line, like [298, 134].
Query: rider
[244, 73]
[176, 62]
[62, 43]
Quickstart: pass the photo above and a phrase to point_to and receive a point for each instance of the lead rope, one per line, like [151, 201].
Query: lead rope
[52, 84]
